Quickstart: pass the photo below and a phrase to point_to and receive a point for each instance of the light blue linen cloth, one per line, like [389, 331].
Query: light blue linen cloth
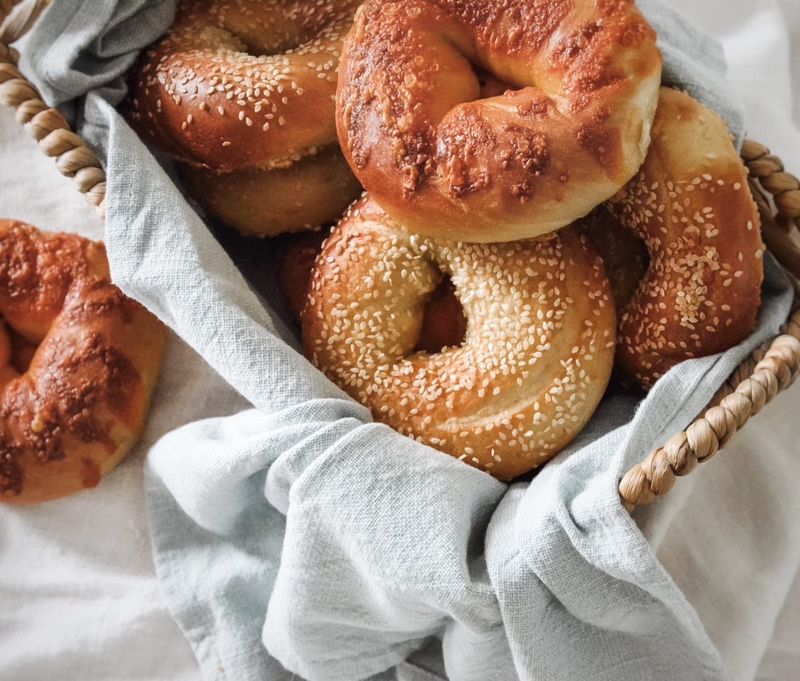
[302, 536]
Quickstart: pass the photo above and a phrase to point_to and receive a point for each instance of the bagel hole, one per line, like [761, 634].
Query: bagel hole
[17, 353]
[22, 351]
[490, 85]
[254, 48]
[623, 253]
[294, 255]
[286, 35]
[443, 323]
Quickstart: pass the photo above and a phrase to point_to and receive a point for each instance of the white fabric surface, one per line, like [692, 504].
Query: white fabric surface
[78, 593]
[80, 600]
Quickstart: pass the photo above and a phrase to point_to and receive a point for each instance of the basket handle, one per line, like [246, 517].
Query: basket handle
[759, 378]
[46, 125]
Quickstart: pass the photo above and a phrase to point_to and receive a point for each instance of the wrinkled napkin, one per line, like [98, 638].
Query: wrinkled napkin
[300, 535]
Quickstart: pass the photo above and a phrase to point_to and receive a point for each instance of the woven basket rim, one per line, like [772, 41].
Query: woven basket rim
[768, 371]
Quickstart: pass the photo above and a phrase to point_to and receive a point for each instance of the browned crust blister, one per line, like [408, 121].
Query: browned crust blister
[69, 417]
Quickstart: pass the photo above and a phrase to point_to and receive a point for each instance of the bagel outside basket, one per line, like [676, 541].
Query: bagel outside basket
[767, 372]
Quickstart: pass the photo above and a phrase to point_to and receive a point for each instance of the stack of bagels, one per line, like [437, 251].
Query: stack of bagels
[537, 208]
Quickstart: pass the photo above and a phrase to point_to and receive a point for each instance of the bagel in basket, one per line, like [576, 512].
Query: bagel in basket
[78, 364]
[244, 90]
[691, 205]
[533, 366]
[447, 162]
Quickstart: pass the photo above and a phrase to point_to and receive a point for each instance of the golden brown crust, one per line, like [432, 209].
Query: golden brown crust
[534, 364]
[450, 165]
[692, 205]
[71, 415]
[242, 84]
[314, 191]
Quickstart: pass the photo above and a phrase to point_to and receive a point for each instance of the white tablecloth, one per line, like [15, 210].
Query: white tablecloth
[78, 593]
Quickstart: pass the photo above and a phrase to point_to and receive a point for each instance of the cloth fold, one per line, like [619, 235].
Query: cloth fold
[301, 536]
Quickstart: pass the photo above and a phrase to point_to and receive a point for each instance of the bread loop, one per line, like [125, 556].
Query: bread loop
[72, 408]
[692, 205]
[241, 84]
[533, 366]
[446, 163]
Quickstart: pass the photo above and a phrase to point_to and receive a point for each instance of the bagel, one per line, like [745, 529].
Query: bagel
[16, 353]
[241, 93]
[534, 363]
[692, 206]
[239, 84]
[314, 191]
[448, 164]
[72, 408]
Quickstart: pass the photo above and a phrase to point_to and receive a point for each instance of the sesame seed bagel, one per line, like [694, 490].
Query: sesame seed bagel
[692, 205]
[535, 361]
[241, 83]
[78, 363]
[314, 191]
[449, 163]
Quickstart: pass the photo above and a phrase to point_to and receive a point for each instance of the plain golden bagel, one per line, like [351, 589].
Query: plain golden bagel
[241, 84]
[314, 191]
[692, 205]
[535, 361]
[447, 162]
[76, 379]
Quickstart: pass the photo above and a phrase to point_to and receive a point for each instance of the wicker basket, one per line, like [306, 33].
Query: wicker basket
[769, 371]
